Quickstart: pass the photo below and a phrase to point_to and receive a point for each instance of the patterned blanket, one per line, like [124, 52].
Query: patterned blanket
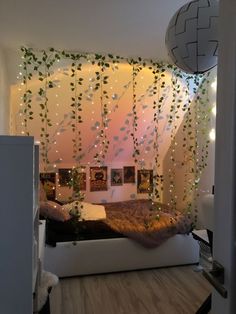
[147, 223]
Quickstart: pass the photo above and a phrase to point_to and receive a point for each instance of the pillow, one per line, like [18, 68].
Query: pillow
[87, 211]
[52, 210]
[92, 212]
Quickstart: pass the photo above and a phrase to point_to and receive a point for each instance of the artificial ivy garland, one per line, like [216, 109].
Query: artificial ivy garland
[41, 63]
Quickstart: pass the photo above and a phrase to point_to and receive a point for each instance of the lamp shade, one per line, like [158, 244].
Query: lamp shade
[192, 37]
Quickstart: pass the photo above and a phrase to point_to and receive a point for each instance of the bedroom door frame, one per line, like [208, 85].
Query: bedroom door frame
[224, 241]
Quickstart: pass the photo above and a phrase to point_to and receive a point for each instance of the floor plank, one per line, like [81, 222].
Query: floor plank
[174, 290]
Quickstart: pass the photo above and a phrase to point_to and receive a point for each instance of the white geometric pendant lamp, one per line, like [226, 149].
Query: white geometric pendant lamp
[192, 36]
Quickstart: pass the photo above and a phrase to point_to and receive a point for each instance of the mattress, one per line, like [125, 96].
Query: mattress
[73, 230]
[148, 223]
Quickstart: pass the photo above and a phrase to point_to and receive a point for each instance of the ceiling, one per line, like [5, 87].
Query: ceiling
[125, 27]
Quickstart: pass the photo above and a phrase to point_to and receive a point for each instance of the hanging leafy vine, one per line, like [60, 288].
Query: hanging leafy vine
[76, 105]
[136, 68]
[28, 57]
[102, 80]
[44, 75]
[196, 116]
[159, 84]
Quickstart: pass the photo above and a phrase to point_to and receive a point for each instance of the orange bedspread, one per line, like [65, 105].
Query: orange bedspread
[144, 222]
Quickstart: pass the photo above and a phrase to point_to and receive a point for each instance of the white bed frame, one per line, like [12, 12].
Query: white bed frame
[117, 254]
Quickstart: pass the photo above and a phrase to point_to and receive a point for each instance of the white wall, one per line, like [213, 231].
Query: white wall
[224, 241]
[208, 176]
[4, 95]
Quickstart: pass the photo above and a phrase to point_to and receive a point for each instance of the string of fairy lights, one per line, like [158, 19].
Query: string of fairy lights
[110, 104]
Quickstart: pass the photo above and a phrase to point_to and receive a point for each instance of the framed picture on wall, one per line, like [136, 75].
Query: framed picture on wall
[129, 174]
[145, 181]
[116, 177]
[98, 179]
[48, 180]
[79, 180]
[64, 176]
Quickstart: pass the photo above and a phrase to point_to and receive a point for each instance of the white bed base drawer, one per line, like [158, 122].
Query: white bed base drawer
[118, 254]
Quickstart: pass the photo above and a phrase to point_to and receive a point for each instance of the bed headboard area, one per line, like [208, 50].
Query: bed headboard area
[113, 128]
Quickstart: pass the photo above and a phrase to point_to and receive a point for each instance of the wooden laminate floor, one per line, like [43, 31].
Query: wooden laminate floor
[175, 290]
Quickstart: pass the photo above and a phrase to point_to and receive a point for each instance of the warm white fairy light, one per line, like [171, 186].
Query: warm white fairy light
[212, 135]
[214, 85]
[213, 110]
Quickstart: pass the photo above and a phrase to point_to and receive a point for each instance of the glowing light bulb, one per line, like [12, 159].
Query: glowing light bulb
[213, 110]
[214, 85]
[212, 135]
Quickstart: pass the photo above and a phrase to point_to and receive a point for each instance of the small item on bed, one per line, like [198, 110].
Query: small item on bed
[92, 212]
[87, 211]
[52, 210]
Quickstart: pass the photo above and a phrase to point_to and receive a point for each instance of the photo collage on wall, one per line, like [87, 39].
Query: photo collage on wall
[48, 180]
[72, 177]
[145, 181]
[98, 179]
[69, 177]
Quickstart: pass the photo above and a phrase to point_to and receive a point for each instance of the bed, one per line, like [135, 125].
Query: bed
[135, 234]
